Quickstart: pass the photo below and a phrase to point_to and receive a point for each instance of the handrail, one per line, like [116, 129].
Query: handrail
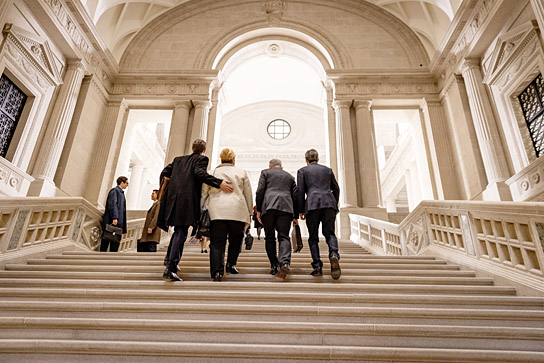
[509, 235]
[26, 222]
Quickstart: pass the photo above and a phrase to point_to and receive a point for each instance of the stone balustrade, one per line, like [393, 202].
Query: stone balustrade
[528, 184]
[13, 181]
[27, 222]
[504, 238]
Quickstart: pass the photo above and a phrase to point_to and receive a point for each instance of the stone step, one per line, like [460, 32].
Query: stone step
[273, 332]
[275, 312]
[143, 351]
[260, 264]
[294, 276]
[246, 269]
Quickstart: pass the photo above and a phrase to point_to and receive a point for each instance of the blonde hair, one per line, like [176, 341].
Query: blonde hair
[227, 155]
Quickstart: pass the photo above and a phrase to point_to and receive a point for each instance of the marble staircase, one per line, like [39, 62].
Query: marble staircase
[114, 307]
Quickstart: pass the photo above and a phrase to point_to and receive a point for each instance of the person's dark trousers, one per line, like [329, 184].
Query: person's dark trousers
[220, 230]
[275, 220]
[114, 246]
[148, 246]
[175, 249]
[327, 218]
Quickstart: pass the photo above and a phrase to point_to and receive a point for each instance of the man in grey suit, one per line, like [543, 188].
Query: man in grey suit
[276, 208]
[318, 195]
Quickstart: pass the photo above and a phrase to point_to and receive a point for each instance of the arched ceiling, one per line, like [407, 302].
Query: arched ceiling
[118, 21]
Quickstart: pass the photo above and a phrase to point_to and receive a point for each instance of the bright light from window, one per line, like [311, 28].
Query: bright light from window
[272, 78]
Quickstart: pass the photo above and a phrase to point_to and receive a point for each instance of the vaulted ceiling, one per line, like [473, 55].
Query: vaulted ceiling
[118, 21]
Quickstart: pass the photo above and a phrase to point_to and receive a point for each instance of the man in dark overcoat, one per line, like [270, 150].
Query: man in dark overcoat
[318, 195]
[276, 208]
[115, 212]
[180, 203]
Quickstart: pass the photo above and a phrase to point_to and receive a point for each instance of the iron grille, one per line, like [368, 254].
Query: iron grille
[532, 104]
[12, 102]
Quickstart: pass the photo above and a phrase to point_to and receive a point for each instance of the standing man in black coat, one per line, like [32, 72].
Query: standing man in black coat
[180, 203]
[318, 194]
[115, 212]
[276, 208]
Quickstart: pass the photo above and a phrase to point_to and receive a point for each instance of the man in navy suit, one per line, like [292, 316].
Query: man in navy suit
[276, 208]
[115, 212]
[318, 194]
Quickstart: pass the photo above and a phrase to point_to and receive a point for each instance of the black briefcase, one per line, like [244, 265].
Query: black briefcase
[112, 233]
[296, 238]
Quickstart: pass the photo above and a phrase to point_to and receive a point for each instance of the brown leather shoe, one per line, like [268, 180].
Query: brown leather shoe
[282, 273]
[335, 268]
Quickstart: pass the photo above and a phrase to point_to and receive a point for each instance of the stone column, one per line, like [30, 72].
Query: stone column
[134, 185]
[441, 151]
[106, 152]
[345, 153]
[5, 5]
[57, 130]
[538, 8]
[177, 140]
[212, 123]
[200, 120]
[331, 131]
[391, 205]
[487, 133]
[367, 155]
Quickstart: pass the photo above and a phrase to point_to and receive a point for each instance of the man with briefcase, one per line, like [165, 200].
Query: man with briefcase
[114, 222]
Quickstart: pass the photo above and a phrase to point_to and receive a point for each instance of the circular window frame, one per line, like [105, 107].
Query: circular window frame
[271, 135]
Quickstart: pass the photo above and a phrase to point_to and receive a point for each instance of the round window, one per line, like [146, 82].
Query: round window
[278, 129]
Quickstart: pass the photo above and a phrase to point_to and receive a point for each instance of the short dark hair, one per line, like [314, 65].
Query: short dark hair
[199, 146]
[312, 155]
[156, 191]
[274, 162]
[122, 179]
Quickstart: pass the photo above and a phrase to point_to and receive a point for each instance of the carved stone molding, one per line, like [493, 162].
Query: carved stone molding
[528, 184]
[13, 181]
[161, 88]
[416, 237]
[399, 87]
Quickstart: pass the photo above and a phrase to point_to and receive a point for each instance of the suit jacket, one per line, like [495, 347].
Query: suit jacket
[180, 203]
[317, 188]
[116, 208]
[151, 222]
[277, 191]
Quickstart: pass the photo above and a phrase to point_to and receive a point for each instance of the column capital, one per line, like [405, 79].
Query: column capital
[202, 103]
[367, 104]
[342, 103]
[426, 103]
[76, 65]
[470, 64]
[182, 104]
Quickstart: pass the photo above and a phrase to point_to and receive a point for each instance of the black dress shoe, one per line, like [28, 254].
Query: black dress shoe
[317, 272]
[169, 275]
[231, 269]
[274, 270]
[335, 268]
[217, 277]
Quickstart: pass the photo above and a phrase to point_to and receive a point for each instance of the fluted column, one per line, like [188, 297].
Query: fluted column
[487, 133]
[331, 131]
[367, 155]
[105, 155]
[57, 130]
[200, 120]
[538, 8]
[441, 152]
[177, 140]
[345, 153]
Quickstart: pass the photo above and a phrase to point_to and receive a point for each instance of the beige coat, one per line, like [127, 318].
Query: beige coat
[235, 206]
[151, 222]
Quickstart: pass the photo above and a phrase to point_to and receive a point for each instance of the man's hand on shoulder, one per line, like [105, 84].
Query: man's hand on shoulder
[226, 187]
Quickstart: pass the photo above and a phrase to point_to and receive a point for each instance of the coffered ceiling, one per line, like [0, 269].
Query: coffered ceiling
[118, 21]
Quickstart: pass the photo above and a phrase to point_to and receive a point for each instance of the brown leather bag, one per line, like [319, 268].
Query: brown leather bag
[296, 238]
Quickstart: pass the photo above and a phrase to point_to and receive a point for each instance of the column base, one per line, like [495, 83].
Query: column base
[497, 191]
[42, 188]
[344, 228]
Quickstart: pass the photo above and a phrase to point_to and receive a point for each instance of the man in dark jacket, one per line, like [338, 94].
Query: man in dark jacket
[180, 203]
[318, 194]
[115, 212]
[276, 208]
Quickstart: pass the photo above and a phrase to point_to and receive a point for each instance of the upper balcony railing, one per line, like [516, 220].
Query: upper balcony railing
[509, 235]
[26, 222]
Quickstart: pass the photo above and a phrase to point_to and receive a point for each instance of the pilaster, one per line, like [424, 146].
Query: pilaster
[135, 184]
[487, 133]
[57, 130]
[368, 161]
[177, 140]
[331, 131]
[538, 8]
[5, 5]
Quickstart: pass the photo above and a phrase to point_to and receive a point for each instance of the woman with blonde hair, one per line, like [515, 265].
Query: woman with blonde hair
[230, 213]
